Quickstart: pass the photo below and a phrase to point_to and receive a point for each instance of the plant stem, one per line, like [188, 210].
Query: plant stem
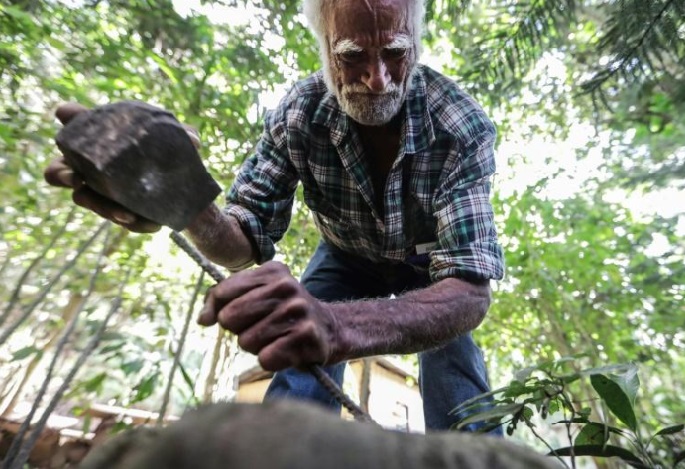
[179, 350]
[551, 450]
[41, 296]
[23, 455]
[36, 260]
[19, 437]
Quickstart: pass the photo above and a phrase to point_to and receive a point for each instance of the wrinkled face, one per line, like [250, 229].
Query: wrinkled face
[371, 54]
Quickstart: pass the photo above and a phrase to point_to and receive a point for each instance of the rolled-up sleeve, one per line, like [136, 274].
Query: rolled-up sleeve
[466, 235]
[261, 196]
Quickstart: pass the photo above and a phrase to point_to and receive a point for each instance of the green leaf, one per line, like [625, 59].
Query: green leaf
[524, 374]
[601, 451]
[670, 430]
[517, 388]
[190, 383]
[17, 14]
[609, 369]
[629, 382]
[25, 352]
[168, 71]
[133, 366]
[110, 335]
[477, 401]
[145, 388]
[110, 348]
[616, 399]
[95, 384]
[528, 413]
[611, 429]
[491, 414]
[592, 434]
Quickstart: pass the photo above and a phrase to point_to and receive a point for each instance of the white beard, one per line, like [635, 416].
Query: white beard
[363, 106]
[369, 108]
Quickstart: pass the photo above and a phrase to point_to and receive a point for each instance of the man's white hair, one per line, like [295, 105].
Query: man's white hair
[315, 11]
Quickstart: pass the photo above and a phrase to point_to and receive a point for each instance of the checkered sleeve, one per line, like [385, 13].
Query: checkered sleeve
[261, 196]
[467, 238]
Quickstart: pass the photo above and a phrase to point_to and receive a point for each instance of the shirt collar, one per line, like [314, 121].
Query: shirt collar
[418, 133]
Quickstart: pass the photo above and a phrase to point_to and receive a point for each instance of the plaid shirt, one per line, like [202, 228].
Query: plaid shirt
[436, 194]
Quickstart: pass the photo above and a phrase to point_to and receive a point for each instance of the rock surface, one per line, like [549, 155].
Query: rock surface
[295, 435]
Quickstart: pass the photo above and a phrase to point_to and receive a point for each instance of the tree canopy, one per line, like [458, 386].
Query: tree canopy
[589, 274]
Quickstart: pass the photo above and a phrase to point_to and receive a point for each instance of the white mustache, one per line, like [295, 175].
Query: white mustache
[357, 88]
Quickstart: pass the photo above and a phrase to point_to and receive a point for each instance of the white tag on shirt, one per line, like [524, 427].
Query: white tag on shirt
[425, 248]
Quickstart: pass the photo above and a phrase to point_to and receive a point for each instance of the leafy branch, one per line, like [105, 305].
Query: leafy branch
[545, 390]
[655, 33]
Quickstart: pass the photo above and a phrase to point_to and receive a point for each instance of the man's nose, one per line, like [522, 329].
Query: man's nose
[376, 76]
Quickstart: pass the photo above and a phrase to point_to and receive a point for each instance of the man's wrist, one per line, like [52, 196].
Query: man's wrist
[219, 237]
[204, 222]
[338, 335]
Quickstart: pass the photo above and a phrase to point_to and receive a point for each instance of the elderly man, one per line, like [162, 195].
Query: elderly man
[395, 162]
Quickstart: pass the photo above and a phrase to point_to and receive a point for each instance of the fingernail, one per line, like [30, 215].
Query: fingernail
[124, 217]
[195, 139]
[205, 318]
[68, 177]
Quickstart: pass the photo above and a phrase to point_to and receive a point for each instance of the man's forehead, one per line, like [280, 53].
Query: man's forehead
[348, 19]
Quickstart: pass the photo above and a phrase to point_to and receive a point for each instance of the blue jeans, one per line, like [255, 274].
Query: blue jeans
[448, 376]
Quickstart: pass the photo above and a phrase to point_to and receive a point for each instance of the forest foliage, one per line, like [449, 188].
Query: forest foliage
[589, 275]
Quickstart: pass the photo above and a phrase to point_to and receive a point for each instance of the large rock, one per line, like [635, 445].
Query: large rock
[295, 435]
[141, 157]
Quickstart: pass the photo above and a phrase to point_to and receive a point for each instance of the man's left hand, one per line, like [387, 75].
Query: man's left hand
[274, 317]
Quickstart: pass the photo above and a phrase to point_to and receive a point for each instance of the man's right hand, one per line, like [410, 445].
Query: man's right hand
[60, 174]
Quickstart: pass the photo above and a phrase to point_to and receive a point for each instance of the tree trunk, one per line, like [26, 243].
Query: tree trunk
[211, 380]
[365, 384]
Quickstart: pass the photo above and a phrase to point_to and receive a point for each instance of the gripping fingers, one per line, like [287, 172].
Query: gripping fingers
[208, 314]
[297, 350]
[87, 198]
[59, 174]
[67, 111]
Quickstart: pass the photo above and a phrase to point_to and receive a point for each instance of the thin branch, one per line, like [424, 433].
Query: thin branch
[25, 451]
[515, 44]
[593, 84]
[17, 442]
[568, 428]
[41, 296]
[211, 379]
[179, 350]
[551, 450]
[22, 279]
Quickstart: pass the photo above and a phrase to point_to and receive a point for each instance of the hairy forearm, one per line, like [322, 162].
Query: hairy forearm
[416, 321]
[219, 237]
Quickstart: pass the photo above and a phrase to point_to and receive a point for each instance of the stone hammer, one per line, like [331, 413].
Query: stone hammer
[140, 156]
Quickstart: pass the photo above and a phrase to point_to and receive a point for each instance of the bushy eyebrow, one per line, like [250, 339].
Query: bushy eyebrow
[400, 41]
[345, 46]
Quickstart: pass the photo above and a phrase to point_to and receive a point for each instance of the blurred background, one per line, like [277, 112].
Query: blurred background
[588, 97]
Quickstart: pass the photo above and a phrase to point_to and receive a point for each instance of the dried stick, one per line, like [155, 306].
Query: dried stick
[44, 292]
[179, 350]
[17, 442]
[26, 448]
[24, 275]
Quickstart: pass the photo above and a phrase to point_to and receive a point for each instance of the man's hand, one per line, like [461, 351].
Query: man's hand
[60, 174]
[274, 317]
